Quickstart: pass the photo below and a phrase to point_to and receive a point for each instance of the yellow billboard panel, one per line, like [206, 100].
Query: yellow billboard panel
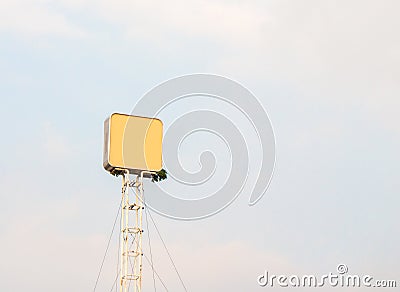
[132, 143]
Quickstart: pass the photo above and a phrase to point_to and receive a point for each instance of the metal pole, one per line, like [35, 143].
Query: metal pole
[131, 251]
[123, 239]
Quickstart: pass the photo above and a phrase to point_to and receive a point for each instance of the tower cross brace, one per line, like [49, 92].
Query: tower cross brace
[131, 252]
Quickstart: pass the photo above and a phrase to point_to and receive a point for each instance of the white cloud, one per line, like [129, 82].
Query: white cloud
[35, 19]
[335, 52]
[156, 21]
[164, 21]
[39, 253]
[55, 143]
[206, 265]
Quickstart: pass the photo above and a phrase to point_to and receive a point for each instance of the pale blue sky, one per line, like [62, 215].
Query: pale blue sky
[327, 73]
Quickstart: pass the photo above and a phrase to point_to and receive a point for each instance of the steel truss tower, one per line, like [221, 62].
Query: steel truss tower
[131, 233]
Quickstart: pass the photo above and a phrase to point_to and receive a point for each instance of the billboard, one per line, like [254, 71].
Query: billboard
[132, 143]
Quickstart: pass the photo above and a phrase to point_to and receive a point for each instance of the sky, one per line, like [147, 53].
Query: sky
[327, 73]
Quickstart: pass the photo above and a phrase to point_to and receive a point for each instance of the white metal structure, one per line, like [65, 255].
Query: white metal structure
[131, 250]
